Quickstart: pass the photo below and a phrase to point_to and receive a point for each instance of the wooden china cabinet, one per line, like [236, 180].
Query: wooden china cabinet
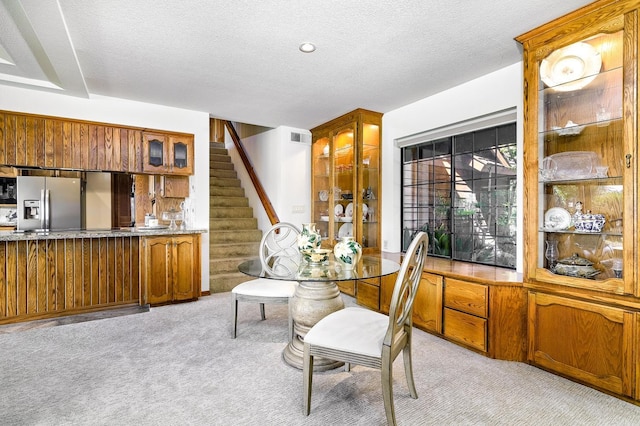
[581, 196]
[346, 180]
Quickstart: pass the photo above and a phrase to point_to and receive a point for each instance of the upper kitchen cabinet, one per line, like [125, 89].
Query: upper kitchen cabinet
[167, 154]
[346, 179]
[581, 150]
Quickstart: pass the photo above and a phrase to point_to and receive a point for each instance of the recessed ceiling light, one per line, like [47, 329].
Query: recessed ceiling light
[307, 47]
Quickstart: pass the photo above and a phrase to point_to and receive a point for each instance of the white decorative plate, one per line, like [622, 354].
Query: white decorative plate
[324, 195]
[571, 67]
[349, 210]
[338, 209]
[365, 210]
[346, 230]
[557, 219]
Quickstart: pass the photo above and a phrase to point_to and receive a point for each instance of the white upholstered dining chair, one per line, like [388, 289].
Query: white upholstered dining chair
[364, 337]
[279, 255]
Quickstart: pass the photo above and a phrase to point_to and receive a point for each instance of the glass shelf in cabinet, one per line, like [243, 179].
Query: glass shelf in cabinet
[613, 76]
[594, 179]
[576, 129]
[573, 231]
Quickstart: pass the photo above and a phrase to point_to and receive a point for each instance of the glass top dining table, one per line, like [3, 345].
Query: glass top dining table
[368, 267]
[317, 295]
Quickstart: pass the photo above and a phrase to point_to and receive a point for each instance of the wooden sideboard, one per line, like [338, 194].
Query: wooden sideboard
[480, 307]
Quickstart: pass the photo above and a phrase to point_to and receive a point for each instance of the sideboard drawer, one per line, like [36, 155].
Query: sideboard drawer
[466, 297]
[467, 329]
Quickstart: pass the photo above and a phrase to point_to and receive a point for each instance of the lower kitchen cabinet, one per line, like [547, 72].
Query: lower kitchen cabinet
[586, 341]
[170, 268]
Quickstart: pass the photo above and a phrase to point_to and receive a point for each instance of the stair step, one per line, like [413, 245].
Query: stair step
[226, 265]
[233, 223]
[235, 236]
[221, 283]
[225, 212]
[221, 150]
[219, 158]
[221, 191]
[214, 181]
[220, 201]
[222, 173]
[221, 251]
[217, 165]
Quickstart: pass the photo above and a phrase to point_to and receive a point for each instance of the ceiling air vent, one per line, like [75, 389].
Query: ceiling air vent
[300, 137]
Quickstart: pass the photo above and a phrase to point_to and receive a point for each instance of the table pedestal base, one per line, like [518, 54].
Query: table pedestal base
[311, 302]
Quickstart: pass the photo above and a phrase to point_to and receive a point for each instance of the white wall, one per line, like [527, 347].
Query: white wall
[493, 92]
[137, 114]
[284, 169]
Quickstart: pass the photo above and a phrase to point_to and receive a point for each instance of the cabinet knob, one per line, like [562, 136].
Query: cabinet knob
[628, 157]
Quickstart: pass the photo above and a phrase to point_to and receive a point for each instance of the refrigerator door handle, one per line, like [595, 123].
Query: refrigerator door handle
[47, 209]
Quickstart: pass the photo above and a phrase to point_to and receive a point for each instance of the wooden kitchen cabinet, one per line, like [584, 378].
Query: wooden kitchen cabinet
[346, 180]
[29, 140]
[581, 319]
[170, 268]
[167, 154]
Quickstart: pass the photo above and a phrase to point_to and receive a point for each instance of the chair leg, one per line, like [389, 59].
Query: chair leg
[262, 312]
[347, 366]
[307, 378]
[408, 370]
[387, 386]
[234, 304]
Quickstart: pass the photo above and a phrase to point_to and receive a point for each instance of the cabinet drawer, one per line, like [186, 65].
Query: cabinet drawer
[347, 287]
[466, 297]
[368, 295]
[466, 329]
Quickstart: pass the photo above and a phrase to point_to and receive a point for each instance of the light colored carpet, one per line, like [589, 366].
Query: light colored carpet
[177, 365]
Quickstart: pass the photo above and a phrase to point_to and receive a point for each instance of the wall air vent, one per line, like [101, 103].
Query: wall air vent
[300, 137]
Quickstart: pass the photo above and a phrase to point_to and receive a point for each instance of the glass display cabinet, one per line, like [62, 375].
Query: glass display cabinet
[581, 196]
[582, 166]
[346, 183]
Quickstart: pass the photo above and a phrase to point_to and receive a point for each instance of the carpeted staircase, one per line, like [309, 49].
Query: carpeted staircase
[234, 231]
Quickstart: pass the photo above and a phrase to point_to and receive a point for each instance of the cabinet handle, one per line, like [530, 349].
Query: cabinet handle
[628, 157]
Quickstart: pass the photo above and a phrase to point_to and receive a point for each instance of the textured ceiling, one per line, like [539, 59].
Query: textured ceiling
[239, 60]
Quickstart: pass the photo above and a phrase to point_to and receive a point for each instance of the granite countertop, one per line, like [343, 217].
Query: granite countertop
[96, 233]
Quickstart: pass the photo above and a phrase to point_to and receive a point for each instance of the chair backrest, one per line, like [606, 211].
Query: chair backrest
[279, 252]
[404, 290]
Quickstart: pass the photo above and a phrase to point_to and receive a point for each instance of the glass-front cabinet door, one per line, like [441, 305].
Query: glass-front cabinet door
[346, 179]
[579, 177]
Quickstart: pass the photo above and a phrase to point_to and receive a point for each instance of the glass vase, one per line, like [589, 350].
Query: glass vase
[551, 253]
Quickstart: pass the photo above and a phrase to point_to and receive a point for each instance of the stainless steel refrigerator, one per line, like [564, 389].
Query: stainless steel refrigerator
[48, 203]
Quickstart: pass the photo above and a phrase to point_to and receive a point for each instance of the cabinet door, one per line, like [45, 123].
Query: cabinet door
[154, 153]
[157, 269]
[181, 155]
[185, 266]
[427, 308]
[589, 342]
[580, 154]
